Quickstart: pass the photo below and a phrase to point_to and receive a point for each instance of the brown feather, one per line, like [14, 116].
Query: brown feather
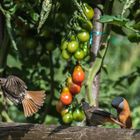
[32, 102]
[29, 108]
[37, 97]
[25, 108]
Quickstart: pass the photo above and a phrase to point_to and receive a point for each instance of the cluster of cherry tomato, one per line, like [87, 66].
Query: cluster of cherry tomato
[73, 87]
[78, 47]
[76, 44]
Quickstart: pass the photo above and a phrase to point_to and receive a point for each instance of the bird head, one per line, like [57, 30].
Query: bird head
[2, 81]
[85, 105]
[118, 103]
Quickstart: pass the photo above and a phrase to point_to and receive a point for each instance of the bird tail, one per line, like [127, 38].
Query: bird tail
[32, 102]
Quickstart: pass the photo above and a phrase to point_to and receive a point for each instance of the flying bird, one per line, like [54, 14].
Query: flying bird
[123, 110]
[96, 116]
[16, 91]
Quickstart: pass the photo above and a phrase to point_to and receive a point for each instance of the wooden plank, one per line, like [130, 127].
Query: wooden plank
[15, 131]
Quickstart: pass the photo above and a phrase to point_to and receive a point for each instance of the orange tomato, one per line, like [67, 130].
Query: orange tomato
[66, 97]
[74, 88]
[78, 75]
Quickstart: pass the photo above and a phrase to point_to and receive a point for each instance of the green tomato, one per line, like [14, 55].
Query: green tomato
[83, 36]
[89, 12]
[78, 115]
[64, 45]
[67, 118]
[85, 24]
[85, 49]
[65, 54]
[50, 46]
[64, 111]
[79, 54]
[72, 46]
[30, 43]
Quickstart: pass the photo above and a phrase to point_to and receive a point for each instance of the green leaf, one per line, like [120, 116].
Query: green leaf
[116, 20]
[13, 62]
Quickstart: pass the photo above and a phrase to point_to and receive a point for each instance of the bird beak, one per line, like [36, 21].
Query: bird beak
[85, 105]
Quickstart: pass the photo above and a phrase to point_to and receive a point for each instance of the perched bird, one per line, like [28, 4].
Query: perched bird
[16, 90]
[123, 110]
[97, 116]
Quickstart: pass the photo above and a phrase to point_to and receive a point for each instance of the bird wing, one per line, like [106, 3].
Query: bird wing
[103, 116]
[102, 112]
[10, 97]
[15, 85]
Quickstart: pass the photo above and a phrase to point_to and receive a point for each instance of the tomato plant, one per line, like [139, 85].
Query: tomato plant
[33, 35]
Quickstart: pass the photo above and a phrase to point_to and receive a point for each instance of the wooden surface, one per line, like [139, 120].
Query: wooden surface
[11, 131]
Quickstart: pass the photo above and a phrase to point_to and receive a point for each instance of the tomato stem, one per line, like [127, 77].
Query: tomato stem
[93, 71]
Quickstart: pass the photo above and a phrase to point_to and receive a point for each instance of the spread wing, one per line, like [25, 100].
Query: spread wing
[15, 86]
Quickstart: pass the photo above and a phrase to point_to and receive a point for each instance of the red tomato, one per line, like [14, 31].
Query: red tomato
[74, 88]
[66, 97]
[78, 75]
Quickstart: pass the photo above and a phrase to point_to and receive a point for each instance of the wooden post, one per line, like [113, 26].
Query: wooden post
[13, 131]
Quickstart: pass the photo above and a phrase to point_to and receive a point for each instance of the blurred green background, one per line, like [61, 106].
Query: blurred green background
[39, 63]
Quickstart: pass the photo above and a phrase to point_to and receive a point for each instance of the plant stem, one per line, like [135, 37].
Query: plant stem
[4, 46]
[94, 50]
[52, 77]
[1, 28]
[98, 55]
[51, 86]
[93, 72]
